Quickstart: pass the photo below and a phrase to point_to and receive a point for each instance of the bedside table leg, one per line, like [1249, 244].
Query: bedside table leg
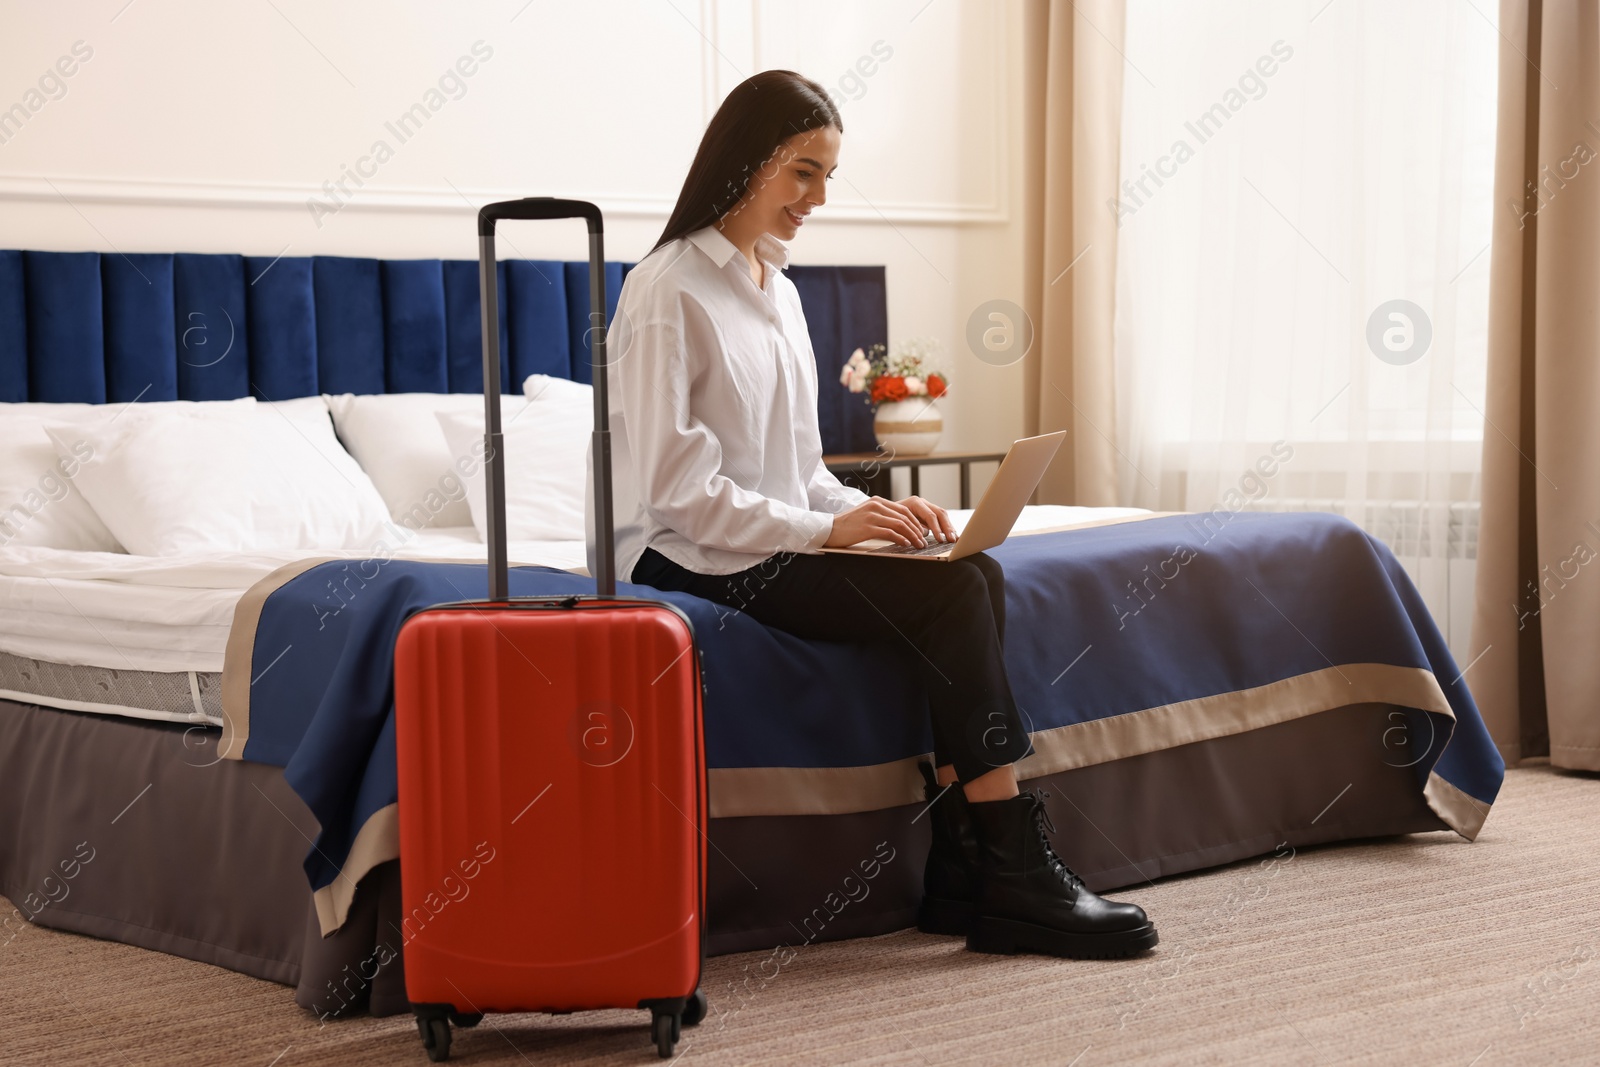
[916, 483]
[966, 485]
[878, 483]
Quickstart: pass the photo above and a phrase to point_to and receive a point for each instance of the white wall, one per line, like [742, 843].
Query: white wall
[209, 127]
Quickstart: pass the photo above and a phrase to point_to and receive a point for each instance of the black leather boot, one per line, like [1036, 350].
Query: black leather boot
[1028, 900]
[951, 874]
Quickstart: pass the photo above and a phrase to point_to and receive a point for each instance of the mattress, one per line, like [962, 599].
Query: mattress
[144, 637]
[174, 696]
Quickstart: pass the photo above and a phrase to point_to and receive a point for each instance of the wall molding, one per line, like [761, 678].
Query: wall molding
[176, 193]
[725, 27]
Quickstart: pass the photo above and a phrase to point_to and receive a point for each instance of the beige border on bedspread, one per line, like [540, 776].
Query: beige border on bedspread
[238, 667]
[752, 791]
[747, 791]
[378, 841]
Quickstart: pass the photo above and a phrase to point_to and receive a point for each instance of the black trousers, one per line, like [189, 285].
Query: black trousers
[952, 615]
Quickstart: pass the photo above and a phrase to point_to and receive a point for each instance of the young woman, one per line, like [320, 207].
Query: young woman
[721, 492]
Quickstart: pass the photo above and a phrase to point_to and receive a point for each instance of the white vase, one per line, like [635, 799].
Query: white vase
[908, 427]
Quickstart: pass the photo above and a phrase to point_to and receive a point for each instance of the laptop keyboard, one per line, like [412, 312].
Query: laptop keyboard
[933, 549]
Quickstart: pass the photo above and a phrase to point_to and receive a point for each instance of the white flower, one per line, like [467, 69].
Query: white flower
[914, 385]
[915, 357]
[845, 375]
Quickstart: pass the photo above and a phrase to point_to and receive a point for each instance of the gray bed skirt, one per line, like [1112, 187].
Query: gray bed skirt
[170, 849]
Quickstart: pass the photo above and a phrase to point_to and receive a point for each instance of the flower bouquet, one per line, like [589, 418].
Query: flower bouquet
[901, 386]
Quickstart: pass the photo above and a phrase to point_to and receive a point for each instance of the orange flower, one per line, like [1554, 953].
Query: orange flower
[936, 386]
[888, 389]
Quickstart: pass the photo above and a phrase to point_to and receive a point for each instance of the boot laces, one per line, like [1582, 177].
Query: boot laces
[1041, 823]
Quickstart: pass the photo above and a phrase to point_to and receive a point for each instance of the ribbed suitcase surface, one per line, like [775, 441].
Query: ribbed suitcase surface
[551, 799]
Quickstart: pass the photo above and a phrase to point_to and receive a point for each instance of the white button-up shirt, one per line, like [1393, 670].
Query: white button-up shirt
[716, 456]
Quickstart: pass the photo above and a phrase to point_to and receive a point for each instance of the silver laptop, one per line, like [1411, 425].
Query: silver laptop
[996, 513]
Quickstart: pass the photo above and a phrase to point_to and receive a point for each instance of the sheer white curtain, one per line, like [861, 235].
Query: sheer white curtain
[1290, 173]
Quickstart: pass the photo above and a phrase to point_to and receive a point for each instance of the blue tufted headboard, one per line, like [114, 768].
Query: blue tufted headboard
[106, 327]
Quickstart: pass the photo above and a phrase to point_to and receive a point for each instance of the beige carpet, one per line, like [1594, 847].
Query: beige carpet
[1415, 950]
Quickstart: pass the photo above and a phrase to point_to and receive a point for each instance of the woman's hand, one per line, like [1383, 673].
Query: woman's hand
[904, 522]
[932, 517]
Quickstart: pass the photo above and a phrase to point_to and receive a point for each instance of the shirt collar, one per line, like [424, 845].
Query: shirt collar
[719, 249]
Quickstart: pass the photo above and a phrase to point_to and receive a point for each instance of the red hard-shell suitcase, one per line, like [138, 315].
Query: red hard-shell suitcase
[551, 769]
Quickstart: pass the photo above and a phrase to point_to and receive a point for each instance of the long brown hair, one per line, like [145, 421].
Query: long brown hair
[761, 113]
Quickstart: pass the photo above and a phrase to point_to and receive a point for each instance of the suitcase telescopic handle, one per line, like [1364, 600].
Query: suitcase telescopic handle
[543, 207]
[534, 208]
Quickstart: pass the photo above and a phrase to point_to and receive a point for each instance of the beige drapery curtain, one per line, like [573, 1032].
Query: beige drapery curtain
[1535, 667]
[1071, 115]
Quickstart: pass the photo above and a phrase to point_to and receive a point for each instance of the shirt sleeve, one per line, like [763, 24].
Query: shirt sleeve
[678, 459]
[827, 493]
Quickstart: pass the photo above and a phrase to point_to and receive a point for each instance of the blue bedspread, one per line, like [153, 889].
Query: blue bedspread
[1175, 617]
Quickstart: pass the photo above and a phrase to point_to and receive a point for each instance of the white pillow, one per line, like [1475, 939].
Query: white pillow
[397, 440]
[227, 476]
[40, 410]
[543, 387]
[546, 460]
[39, 504]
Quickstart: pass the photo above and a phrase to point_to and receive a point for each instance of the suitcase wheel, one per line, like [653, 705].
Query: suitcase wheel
[466, 1020]
[695, 1010]
[665, 1030]
[435, 1031]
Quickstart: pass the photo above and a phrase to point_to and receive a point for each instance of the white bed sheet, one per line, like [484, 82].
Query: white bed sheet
[143, 613]
[148, 613]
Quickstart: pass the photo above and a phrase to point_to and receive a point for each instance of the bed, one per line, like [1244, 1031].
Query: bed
[220, 797]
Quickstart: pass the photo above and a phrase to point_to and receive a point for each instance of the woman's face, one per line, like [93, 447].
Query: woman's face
[790, 184]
